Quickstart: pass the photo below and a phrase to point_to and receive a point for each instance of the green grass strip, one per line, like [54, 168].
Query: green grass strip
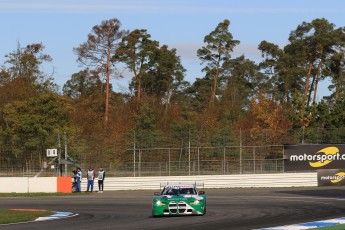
[41, 194]
[17, 216]
[335, 227]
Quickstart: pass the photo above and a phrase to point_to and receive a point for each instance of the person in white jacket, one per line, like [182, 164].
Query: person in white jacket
[90, 179]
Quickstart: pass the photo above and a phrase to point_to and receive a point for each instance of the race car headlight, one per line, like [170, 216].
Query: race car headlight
[195, 202]
[159, 203]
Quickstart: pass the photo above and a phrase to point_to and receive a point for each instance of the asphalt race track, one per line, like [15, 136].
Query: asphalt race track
[226, 209]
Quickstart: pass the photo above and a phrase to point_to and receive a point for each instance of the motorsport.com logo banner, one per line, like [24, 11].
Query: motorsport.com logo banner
[313, 157]
[330, 177]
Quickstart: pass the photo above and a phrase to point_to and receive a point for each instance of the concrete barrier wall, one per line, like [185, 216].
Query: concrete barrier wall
[28, 184]
[14, 184]
[42, 184]
[49, 184]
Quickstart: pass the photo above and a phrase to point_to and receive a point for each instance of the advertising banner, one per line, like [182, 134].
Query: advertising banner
[313, 157]
[331, 177]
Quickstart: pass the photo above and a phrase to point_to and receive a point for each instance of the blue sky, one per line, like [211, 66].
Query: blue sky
[62, 25]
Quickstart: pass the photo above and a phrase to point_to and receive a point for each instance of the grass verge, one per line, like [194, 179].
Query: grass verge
[16, 216]
[335, 227]
[34, 194]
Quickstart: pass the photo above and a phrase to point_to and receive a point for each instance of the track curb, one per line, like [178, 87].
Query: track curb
[310, 225]
[57, 215]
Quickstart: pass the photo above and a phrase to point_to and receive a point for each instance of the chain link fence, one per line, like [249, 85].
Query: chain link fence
[204, 160]
[156, 154]
[171, 162]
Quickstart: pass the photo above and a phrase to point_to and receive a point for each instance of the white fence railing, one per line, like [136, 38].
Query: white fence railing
[215, 181]
[48, 184]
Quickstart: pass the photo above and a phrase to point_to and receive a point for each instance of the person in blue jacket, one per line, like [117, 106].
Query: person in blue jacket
[90, 178]
[79, 176]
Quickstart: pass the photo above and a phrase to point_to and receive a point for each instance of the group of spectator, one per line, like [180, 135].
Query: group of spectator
[91, 175]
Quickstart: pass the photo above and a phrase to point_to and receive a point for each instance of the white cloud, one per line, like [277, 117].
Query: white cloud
[250, 51]
[190, 60]
[188, 51]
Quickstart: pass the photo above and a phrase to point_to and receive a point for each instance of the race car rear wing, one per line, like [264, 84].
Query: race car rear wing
[198, 185]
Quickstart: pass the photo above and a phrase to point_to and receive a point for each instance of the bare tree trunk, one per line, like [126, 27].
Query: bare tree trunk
[106, 114]
[213, 94]
[311, 89]
[307, 84]
[318, 74]
[305, 94]
[167, 103]
[338, 85]
[139, 89]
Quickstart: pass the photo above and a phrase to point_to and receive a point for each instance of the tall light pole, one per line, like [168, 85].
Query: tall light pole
[65, 139]
[59, 154]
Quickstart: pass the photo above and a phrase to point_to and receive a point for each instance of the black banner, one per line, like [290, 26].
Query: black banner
[331, 177]
[313, 157]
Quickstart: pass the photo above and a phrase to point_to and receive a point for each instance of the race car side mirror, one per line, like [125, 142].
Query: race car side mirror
[157, 193]
[201, 193]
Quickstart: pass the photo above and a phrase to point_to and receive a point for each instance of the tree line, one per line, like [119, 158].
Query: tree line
[235, 93]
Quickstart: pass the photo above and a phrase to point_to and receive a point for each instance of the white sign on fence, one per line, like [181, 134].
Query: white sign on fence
[51, 152]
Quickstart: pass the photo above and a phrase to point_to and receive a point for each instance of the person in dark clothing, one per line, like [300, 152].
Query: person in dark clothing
[101, 177]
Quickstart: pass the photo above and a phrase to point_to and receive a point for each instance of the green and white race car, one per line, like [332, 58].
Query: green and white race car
[179, 199]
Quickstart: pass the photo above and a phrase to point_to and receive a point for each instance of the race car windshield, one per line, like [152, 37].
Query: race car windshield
[178, 191]
[170, 191]
[187, 191]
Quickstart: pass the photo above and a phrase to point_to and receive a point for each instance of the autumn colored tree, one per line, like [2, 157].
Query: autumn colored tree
[97, 52]
[22, 76]
[266, 115]
[31, 110]
[26, 62]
